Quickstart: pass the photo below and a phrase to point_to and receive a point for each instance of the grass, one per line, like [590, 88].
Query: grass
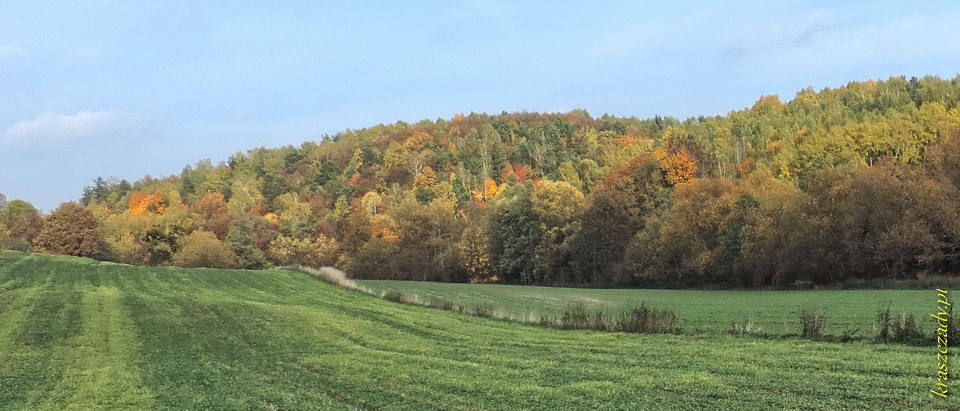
[698, 311]
[79, 334]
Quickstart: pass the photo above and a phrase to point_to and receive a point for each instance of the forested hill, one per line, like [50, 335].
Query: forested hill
[856, 181]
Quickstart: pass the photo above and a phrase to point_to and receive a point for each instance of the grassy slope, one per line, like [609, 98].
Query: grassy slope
[777, 312]
[80, 334]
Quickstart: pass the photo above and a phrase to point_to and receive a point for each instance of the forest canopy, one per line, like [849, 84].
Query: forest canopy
[859, 181]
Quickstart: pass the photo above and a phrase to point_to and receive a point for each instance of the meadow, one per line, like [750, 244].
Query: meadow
[699, 311]
[80, 334]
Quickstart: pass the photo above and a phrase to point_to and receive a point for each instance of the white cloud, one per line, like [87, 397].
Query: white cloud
[49, 128]
[10, 50]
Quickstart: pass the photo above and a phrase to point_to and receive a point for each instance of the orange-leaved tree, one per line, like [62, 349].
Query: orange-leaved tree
[680, 167]
[141, 202]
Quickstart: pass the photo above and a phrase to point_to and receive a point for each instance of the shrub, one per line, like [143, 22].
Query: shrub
[603, 321]
[203, 249]
[483, 311]
[953, 331]
[883, 325]
[744, 327]
[393, 295]
[812, 323]
[443, 304]
[547, 321]
[399, 297]
[575, 317]
[899, 329]
[648, 321]
[849, 335]
[413, 299]
[906, 329]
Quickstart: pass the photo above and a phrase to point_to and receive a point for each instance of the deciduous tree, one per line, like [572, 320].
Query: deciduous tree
[318, 252]
[141, 202]
[70, 230]
[203, 249]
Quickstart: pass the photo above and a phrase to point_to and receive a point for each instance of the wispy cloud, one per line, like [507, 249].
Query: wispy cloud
[903, 39]
[49, 128]
[8, 50]
[766, 38]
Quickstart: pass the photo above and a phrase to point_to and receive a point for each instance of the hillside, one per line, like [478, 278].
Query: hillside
[859, 181]
[77, 333]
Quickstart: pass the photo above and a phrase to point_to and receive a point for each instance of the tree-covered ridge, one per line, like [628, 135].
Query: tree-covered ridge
[856, 181]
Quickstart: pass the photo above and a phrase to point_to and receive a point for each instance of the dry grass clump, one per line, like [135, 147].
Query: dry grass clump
[812, 323]
[404, 298]
[483, 311]
[575, 317]
[446, 305]
[646, 320]
[332, 276]
[642, 319]
[744, 327]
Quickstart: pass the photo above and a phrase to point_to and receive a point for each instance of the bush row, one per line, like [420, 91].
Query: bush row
[643, 319]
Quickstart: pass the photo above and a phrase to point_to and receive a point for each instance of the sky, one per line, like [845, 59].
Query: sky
[127, 89]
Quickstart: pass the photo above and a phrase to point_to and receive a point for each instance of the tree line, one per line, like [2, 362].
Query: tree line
[859, 181]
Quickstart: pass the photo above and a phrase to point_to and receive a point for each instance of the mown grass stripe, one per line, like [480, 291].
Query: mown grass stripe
[16, 306]
[100, 367]
[198, 354]
[28, 368]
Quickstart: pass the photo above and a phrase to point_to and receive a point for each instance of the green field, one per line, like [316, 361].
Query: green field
[776, 312]
[79, 334]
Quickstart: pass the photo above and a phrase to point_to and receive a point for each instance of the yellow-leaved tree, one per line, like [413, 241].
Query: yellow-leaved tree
[474, 254]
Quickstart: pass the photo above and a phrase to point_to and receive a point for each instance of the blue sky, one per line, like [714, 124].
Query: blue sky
[126, 89]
